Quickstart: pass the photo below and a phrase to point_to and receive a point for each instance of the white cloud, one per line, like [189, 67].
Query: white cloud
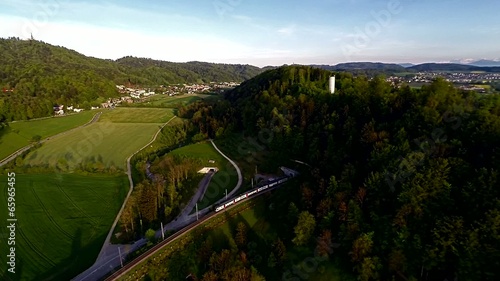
[289, 30]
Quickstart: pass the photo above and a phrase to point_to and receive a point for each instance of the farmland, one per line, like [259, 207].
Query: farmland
[136, 115]
[19, 134]
[117, 135]
[171, 101]
[62, 222]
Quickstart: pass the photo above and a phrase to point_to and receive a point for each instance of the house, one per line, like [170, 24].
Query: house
[77, 110]
[70, 107]
[60, 112]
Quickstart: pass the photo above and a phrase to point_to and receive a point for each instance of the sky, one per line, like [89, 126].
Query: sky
[263, 32]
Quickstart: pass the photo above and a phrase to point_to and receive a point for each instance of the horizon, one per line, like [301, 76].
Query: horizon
[263, 33]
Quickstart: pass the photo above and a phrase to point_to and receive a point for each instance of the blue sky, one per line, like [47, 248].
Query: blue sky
[262, 32]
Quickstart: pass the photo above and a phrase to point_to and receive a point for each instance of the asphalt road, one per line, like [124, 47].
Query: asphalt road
[122, 271]
[109, 257]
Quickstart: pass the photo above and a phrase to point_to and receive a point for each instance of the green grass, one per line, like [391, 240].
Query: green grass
[114, 142]
[226, 178]
[173, 101]
[63, 219]
[248, 153]
[19, 134]
[486, 87]
[118, 134]
[136, 115]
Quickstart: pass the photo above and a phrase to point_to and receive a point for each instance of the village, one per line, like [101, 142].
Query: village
[138, 94]
[468, 81]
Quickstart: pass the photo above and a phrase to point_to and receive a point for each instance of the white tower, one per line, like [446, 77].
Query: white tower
[332, 84]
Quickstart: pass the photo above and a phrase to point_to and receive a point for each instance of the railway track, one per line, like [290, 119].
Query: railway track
[129, 266]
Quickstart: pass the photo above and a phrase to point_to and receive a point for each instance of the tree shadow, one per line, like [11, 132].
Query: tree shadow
[80, 258]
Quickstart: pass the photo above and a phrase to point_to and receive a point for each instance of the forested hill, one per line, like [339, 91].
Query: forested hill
[405, 180]
[161, 72]
[35, 75]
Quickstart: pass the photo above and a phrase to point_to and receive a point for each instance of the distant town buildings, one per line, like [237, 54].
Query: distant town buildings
[176, 89]
[463, 80]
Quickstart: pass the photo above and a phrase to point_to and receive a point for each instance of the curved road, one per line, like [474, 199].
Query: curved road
[124, 270]
[107, 242]
[109, 257]
[21, 150]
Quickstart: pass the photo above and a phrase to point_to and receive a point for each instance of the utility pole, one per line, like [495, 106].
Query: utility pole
[252, 182]
[196, 211]
[226, 193]
[162, 232]
[120, 253]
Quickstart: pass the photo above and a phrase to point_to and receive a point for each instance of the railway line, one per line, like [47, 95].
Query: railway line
[258, 191]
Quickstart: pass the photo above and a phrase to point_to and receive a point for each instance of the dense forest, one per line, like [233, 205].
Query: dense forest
[35, 76]
[405, 180]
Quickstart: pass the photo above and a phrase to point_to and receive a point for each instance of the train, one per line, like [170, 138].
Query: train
[250, 193]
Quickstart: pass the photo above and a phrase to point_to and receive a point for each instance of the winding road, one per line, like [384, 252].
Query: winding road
[110, 255]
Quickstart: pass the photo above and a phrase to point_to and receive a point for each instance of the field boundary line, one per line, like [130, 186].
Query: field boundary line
[131, 188]
[23, 149]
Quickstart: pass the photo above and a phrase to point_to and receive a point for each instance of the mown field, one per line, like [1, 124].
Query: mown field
[19, 134]
[63, 219]
[118, 134]
[226, 178]
[173, 101]
[136, 115]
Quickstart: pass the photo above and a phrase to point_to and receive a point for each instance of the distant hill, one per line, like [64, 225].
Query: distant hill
[487, 63]
[451, 67]
[163, 72]
[35, 75]
[371, 68]
[406, 64]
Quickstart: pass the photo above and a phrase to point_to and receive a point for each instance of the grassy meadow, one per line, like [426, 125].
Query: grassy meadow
[173, 101]
[117, 135]
[225, 178]
[136, 115]
[63, 220]
[19, 134]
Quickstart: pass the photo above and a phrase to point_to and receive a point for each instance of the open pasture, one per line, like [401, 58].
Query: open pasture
[109, 143]
[225, 178]
[18, 134]
[136, 115]
[62, 221]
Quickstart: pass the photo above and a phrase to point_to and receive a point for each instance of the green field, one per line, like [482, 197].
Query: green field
[173, 101]
[113, 142]
[486, 87]
[226, 178]
[19, 134]
[117, 135]
[136, 115]
[62, 222]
